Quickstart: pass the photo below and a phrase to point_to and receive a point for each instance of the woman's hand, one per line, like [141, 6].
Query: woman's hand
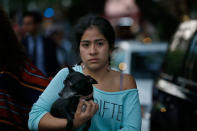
[83, 116]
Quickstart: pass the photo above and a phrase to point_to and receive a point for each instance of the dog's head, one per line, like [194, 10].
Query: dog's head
[78, 84]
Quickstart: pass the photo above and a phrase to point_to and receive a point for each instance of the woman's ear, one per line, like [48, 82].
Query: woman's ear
[112, 49]
[110, 52]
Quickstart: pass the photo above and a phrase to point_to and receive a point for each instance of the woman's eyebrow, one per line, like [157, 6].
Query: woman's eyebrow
[85, 41]
[94, 40]
[99, 40]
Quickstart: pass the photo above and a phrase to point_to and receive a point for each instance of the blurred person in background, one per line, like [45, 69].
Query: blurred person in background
[41, 49]
[64, 50]
[15, 18]
[21, 82]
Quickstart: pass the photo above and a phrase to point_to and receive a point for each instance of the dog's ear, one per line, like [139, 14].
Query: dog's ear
[70, 69]
[92, 80]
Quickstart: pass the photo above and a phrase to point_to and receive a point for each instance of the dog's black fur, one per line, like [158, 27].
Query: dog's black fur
[76, 85]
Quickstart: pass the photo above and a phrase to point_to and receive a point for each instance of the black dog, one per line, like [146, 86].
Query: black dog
[76, 85]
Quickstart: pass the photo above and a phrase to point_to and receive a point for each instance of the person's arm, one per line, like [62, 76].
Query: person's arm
[40, 118]
[48, 122]
[131, 108]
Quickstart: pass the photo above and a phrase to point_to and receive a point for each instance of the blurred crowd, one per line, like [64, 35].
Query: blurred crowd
[46, 42]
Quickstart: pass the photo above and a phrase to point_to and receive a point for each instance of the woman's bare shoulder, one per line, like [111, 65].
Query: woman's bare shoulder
[129, 82]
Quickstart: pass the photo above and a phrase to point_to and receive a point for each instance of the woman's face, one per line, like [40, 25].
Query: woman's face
[94, 49]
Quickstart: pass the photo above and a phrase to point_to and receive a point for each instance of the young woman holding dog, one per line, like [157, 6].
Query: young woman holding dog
[115, 93]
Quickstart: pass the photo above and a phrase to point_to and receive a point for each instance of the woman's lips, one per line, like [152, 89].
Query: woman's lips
[93, 60]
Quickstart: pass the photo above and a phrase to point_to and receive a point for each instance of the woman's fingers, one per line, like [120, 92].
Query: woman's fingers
[94, 107]
[79, 118]
[91, 108]
[79, 107]
[82, 115]
[88, 108]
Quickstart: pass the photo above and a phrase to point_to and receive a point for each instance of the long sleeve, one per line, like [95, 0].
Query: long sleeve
[47, 98]
[131, 113]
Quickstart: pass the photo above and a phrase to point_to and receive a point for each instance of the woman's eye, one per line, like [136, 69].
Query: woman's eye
[85, 44]
[99, 43]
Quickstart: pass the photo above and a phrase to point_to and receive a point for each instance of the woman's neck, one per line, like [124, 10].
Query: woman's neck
[99, 75]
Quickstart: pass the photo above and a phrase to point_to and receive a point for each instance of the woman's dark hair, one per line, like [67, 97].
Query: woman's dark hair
[12, 52]
[90, 20]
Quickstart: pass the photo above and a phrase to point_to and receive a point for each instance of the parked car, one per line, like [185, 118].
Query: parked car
[143, 62]
[175, 90]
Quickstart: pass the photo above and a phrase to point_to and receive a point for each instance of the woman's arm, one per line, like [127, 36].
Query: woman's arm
[129, 82]
[48, 122]
[40, 118]
[131, 108]
[46, 99]
[131, 113]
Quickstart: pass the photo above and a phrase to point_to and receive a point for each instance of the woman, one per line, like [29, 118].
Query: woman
[115, 93]
[21, 83]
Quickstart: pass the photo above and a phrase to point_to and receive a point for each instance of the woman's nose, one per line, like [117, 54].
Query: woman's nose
[93, 49]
